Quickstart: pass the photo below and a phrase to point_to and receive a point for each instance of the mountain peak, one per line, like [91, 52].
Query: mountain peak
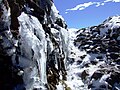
[112, 22]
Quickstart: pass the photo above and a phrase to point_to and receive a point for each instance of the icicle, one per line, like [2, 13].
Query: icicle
[64, 43]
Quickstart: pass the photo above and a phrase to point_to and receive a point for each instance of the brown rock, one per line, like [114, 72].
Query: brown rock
[97, 75]
[84, 74]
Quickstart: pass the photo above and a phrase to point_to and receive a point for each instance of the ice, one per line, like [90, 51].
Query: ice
[64, 42]
[33, 41]
[55, 13]
[60, 87]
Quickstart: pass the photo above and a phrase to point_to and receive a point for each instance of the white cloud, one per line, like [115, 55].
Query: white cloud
[81, 6]
[98, 4]
[102, 4]
[66, 12]
[116, 0]
[85, 5]
[107, 1]
[112, 1]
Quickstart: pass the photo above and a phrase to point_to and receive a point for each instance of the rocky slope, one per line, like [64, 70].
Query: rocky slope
[95, 59]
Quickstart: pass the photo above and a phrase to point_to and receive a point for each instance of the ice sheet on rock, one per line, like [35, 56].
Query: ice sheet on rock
[55, 13]
[55, 32]
[5, 16]
[32, 39]
[49, 45]
[118, 38]
[64, 38]
[5, 34]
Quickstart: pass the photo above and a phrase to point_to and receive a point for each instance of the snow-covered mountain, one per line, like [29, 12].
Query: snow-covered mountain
[95, 59]
[39, 52]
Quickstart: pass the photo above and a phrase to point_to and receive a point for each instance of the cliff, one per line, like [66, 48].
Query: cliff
[33, 45]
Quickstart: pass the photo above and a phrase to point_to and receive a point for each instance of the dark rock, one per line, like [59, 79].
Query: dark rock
[6, 4]
[99, 57]
[117, 61]
[71, 60]
[60, 22]
[20, 2]
[113, 49]
[82, 57]
[84, 74]
[91, 86]
[103, 86]
[86, 65]
[15, 12]
[97, 75]
[37, 12]
[114, 55]
[79, 62]
[8, 77]
[118, 66]
[94, 62]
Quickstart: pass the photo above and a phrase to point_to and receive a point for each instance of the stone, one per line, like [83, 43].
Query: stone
[84, 75]
[114, 55]
[97, 75]
[91, 86]
[94, 62]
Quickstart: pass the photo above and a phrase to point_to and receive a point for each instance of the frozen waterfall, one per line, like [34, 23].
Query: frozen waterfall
[33, 55]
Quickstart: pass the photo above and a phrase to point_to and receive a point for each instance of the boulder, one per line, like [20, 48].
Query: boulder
[84, 75]
[97, 75]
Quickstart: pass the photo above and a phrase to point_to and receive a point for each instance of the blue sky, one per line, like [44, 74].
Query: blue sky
[84, 13]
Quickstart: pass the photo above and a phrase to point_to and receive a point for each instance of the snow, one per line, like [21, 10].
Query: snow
[74, 70]
[118, 38]
[55, 13]
[64, 42]
[104, 77]
[102, 81]
[6, 15]
[60, 87]
[114, 22]
[75, 84]
[74, 81]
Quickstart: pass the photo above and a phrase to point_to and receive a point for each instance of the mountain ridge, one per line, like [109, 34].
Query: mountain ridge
[97, 62]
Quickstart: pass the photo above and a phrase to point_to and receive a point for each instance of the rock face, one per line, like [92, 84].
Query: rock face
[33, 45]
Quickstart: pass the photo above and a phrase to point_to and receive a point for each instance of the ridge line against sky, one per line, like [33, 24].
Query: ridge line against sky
[85, 5]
